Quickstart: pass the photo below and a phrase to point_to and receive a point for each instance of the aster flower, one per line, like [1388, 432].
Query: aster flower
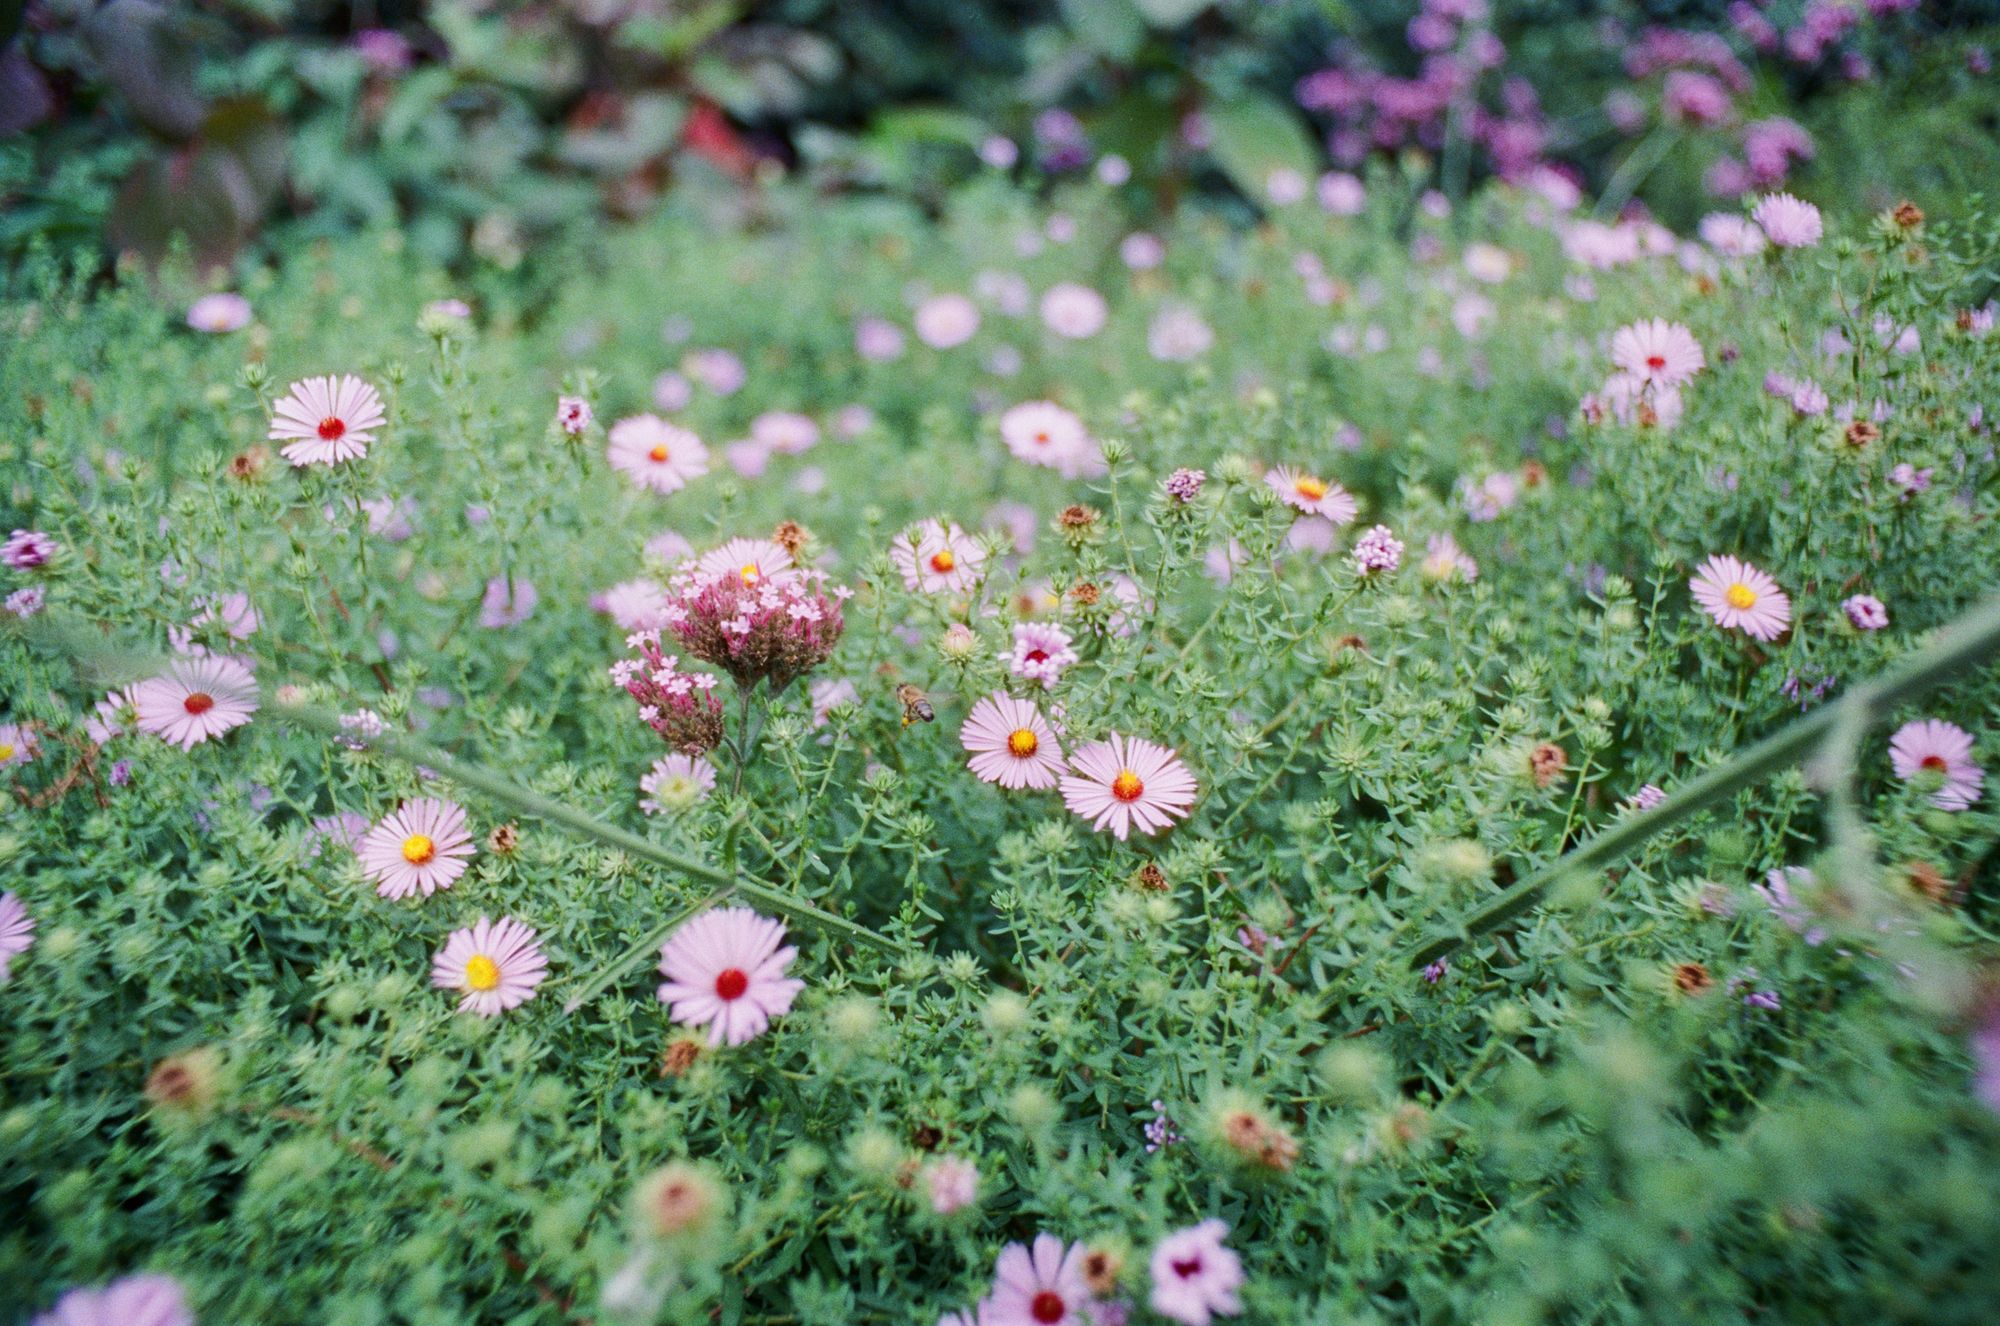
[1789, 222]
[1012, 744]
[497, 964]
[935, 558]
[753, 561]
[1127, 782]
[573, 415]
[1044, 433]
[420, 847]
[1741, 598]
[1313, 495]
[951, 1182]
[136, 1300]
[1866, 612]
[1040, 1287]
[656, 454]
[725, 969]
[945, 321]
[1378, 552]
[1075, 312]
[219, 313]
[17, 745]
[1657, 353]
[1042, 651]
[676, 782]
[326, 420]
[508, 601]
[784, 431]
[17, 932]
[197, 700]
[26, 602]
[27, 550]
[1776, 891]
[635, 605]
[1933, 746]
[1444, 561]
[1177, 334]
[1195, 1277]
[718, 370]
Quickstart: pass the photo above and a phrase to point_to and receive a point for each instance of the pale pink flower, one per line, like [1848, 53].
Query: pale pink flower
[656, 454]
[327, 420]
[1041, 651]
[1195, 1277]
[878, 340]
[1741, 598]
[1285, 187]
[1730, 234]
[1313, 495]
[27, 550]
[1791, 223]
[1342, 194]
[1141, 251]
[136, 1300]
[718, 370]
[668, 546]
[1178, 334]
[1637, 403]
[1012, 744]
[945, 321]
[497, 964]
[1044, 433]
[635, 605]
[1042, 1287]
[830, 693]
[1445, 561]
[508, 601]
[1933, 746]
[952, 1183]
[116, 715]
[197, 700]
[18, 745]
[1125, 782]
[219, 313]
[573, 415]
[1866, 612]
[1075, 312]
[753, 561]
[675, 782]
[785, 430]
[937, 558]
[17, 932]
[420, 847]
[1658, 353]
[725, 969]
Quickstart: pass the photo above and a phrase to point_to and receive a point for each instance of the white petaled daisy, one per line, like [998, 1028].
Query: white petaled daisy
[937, 558]
[1313, 495]
[656, 454]
[725, 970]
[420, 847]
[327, 420]
[497, 964]
[676, 782]
[1012, 744]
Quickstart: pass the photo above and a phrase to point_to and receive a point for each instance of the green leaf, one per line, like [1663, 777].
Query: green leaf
[1253, 137]
[1170, 13]
[1110, 27]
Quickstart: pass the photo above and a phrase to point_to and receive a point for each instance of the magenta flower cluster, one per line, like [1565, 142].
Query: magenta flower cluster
[770, 626]
[680, 706]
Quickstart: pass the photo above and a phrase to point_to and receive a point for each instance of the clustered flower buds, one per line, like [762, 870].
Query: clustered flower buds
[680, 706]
[772, 627]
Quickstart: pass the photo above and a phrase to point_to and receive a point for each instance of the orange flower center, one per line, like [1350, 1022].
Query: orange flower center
[330, 428]
[942, 561]
[658, 454]
[731, 982]
[482, 973]
[1043, 437]
[1126, 786]
[198, 702]
[1740, 596]
[1021, 743]
[1309, 487]
[418, 849]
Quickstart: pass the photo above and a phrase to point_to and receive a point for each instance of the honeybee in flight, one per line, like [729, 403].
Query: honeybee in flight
[916, 706]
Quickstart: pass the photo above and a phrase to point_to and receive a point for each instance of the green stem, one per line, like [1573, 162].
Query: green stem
[1967, 643]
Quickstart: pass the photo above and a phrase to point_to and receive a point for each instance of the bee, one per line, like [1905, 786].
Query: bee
[916, 706]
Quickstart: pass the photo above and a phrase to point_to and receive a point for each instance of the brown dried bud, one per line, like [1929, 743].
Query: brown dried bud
[1692, 978]
[1907, 215]
[1533, 474]
[1102, 1265]
[682, 1052]
[1927, 882]
[1150, 878]
[1546, 762]
[1860, 433]
[187, 1084]
[504, 839]
[249, 466]
[790, 535]
[1084, 594]
[1259, 1140]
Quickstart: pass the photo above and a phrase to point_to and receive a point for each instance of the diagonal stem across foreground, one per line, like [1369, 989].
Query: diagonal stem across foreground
[1967, 643]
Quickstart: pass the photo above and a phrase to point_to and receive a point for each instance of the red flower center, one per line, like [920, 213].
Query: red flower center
[942, 561]
[1656, 362]
[1043, 438]
[1188, 1267]
[1048, 1306]
[1126, 786]
[731, 983]
[198, 702]
[1036, 656]
[1934, 762]
[331, 428]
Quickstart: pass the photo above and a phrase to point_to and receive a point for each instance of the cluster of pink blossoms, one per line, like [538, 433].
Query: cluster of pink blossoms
[1118, 784]
[680, 706]
[745, 608]
[1195, 1278]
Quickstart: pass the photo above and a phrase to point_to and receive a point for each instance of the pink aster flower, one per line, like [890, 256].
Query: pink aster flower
[1741, 598]
[1012, 744]
[656, 454]
[937, 558]
[1791, 223]
[1444, 561]
[497, 964]
[1042, 1287]
[725, 969]
[878, 340]
[1177, 334]
[1866, 612]
[219, 313]
[17, 932]
[116, 715]
[17, 745]
[1041, 651]
[508, 601]
[952, 1183]
[1194, 1276]
[327, 420]
[1126, 782]
[27, 550]
[1074, 312]
[784, 430]
[420, 847]
[753, 561]
[1044, 433]
[635, 605]
[136, 1300]
[676, 782]
[1933, 746]
[573, 415]
[1657, 353]
[197, 700]
[945, 321]
[1313, 495]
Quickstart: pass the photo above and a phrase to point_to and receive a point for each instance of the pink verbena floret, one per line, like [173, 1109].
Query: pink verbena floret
[680, 706]
[757, 627]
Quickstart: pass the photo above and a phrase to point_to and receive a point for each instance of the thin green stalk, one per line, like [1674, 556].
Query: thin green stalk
[1967, 643]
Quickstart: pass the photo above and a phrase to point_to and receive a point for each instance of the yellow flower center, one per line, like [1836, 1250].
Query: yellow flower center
[751, 575]
[418, 849]
[1740, 596]
[1021, 743]
[6, 751]
[659, 453]
[1126, 786]
[482, 973]
[1310, 488]
[942, 561]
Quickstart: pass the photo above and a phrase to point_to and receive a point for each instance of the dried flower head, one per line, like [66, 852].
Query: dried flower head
[1691, 978]
[681, 1199]
[187, 1084]
[1546, 763]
